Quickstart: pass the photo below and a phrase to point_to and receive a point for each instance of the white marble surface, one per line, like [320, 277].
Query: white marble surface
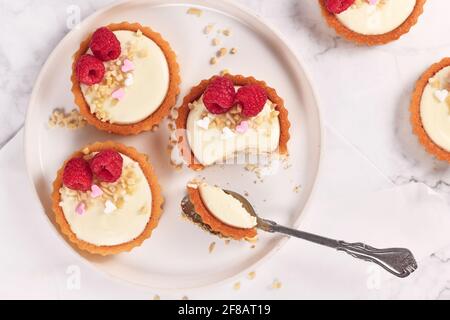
[365, 92]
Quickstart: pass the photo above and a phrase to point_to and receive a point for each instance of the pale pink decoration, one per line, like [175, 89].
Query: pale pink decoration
[127, 66]
[373, 2]
[96, 191]
[242, 127]
[81, 208]
[119, 94]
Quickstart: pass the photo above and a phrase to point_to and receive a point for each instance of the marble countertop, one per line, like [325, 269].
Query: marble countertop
[373, 118]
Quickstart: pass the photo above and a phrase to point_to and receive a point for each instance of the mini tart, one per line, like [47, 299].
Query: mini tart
[156, 203]
[372, 40]
[415, 109]
[238, 80]
[164, 108]
[213, 225]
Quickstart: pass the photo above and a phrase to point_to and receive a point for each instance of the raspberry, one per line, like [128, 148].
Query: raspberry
[77, 175]
[219, 95]
[338, 6]
[107, 165]
[252, 99]
[105, 45]
[90, 70]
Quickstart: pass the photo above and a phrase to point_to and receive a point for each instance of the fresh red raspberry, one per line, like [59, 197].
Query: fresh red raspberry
[219, 95]
[107, 165]
[105, 45]
[77, 175]
[90, 70]
[338, 6]
[252, 99]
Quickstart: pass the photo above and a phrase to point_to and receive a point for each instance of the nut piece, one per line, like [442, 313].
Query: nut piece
[215, 41]
[222, 52]
[208, 28]
[195, 11]
[233, 50]
[213, 60]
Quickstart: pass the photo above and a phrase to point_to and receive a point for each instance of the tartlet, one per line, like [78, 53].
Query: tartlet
[351, 23]
[108, 217]
[430, 110]
[130, 106]
[219, 213]
[193, 110]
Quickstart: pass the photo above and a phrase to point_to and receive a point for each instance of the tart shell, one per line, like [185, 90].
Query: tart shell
[372, 40]
[239, 80]
[157, 201]
[416, 120]
[215, 224]
[163, 110]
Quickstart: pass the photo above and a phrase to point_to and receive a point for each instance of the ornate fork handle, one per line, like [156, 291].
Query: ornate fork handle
[398, 261]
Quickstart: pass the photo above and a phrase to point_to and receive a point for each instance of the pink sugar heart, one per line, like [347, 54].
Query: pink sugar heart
[118, 94]
[127, 66]
[242, 127]
[96, 191]
[81, 208]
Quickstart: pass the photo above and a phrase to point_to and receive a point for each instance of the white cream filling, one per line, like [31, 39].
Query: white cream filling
[108, 229]
[225, 207]
[149, 88]
[376, 19]
[435, 114]
[213, 145]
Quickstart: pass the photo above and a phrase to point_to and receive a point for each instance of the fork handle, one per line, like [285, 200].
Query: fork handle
[398, 261]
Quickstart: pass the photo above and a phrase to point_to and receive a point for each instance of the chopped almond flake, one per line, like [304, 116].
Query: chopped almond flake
[156, 297]
[233, 51]
[208, 29]
[222, 52]
[224, 72]
[195, 11]
[215, 41]
[276, 284]
[226, 32]
[237, 286]
[211, 247]
[213, 60]
[185, 298]
[251, 275]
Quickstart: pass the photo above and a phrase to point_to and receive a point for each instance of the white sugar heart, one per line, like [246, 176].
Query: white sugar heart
[227, 133]
[204, 123]
[109, 207]
[441, 95]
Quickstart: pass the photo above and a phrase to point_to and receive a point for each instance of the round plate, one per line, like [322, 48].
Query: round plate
[177, 255]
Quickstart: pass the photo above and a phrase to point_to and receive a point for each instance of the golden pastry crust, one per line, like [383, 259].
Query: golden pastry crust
[157, 201]
[416, 119]
[372, 40]
[162, 111]
[215, 224]
[239, 80]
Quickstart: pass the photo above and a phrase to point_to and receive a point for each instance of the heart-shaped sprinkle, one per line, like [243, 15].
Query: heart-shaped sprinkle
[109, 207]
[96, 191]
[373, 2]
[81, 208]
[242, 127]
[441, 95]
[129, 80]
[204, 123]
[227, 133]
[118, 94]
[127, 66]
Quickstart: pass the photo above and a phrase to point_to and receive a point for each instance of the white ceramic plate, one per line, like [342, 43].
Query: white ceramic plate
[177, 255]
